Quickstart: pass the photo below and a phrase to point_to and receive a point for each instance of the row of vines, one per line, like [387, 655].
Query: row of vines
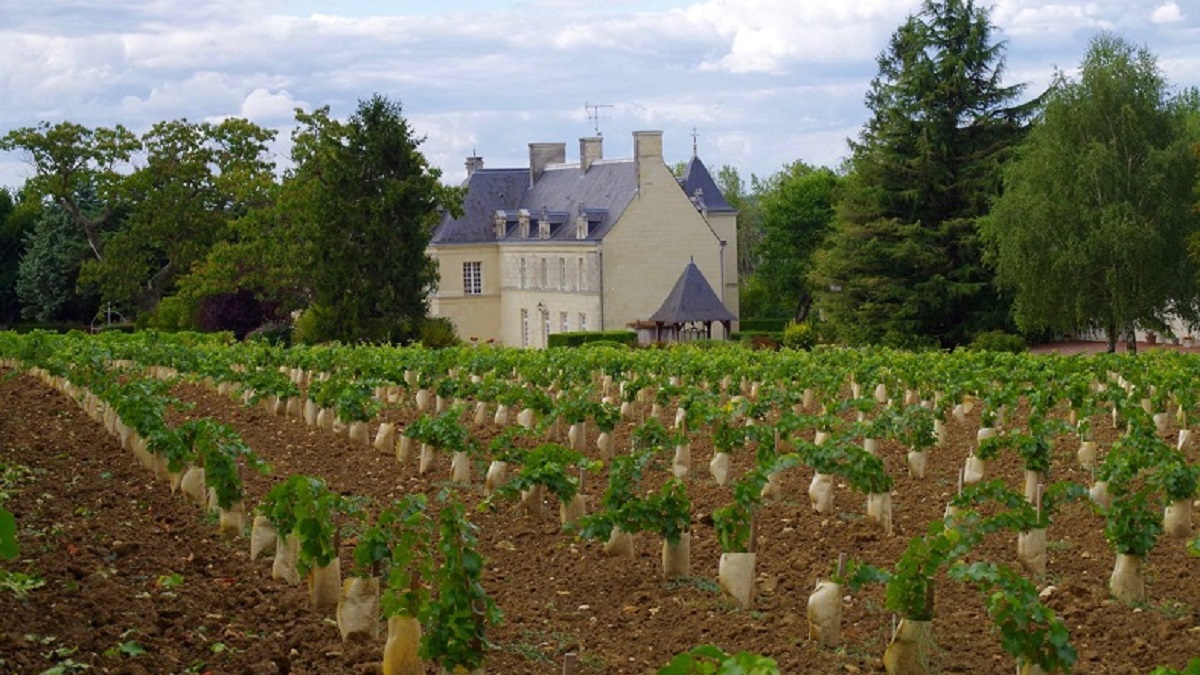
[544, 422]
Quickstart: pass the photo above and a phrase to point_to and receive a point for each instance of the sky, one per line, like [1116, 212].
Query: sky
[755, 84]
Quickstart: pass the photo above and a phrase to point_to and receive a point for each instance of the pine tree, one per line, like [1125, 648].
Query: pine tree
[904, 264]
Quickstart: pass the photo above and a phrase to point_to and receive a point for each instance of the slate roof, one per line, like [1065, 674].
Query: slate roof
[692, 299]
[696, 176]
[603, 194]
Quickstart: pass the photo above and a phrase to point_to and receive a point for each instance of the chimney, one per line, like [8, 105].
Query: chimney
[473, 163]
[542, 155]
[591, 149]
[647, 147]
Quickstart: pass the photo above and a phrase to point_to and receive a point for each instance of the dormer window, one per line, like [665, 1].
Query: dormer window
[500, 221]
[523, 223]
[581, 227]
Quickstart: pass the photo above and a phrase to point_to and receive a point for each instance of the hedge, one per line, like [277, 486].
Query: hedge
[768, 325]
[625, 337]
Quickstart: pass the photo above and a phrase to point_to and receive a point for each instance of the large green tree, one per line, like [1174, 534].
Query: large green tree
[17, 219]
[796, 207]
[1091, 229]
[904, 264]
[46, 277]
[197, 179]
[70, 160]
[366, 200]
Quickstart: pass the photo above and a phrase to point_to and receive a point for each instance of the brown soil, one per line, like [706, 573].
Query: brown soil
[106, 538]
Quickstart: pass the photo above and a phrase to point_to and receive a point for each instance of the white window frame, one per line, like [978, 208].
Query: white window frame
[473, 278]
[579, 277]
[563, 320]
[583, 321]
[524, 328]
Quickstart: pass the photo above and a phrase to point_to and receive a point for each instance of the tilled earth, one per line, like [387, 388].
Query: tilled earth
[134, 579]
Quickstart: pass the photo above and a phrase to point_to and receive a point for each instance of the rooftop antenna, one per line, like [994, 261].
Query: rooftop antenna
[695, 137]
[594, 114]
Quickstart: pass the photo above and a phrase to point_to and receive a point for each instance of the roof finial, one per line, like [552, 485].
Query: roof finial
[695, 135]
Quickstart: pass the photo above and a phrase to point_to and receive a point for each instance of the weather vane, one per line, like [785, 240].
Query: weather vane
[594, 114]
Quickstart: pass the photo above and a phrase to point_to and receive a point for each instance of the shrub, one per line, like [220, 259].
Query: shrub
[438, 332]
[997, 341]
[172, 314]
[240, 312]
[575, 339]
[605, 343]
[313, 326]
[799, 336]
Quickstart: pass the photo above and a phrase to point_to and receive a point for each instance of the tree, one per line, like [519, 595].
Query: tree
[367, 201]
[197, 179]
[1092, 226]
[17, 219]
[796, 212]
[69, 160]
[904, 264]
[45, 285]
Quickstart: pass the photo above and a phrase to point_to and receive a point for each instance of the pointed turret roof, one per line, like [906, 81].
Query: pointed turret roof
[692, 299]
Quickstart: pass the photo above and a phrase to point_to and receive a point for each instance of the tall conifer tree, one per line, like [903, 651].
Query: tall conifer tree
[904, 265]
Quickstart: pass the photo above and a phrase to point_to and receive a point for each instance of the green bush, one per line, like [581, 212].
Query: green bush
[799, 336]
[605, 343]
[438, 332]
[748, 336]
[313, 326]
[575, 339]
[997, 341]
[171, 315]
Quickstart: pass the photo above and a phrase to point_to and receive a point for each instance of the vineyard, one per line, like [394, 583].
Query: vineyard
[184, 504]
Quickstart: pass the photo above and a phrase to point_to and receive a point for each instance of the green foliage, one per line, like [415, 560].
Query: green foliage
[548, 465]
[365, 200]
[1092, 228]
[770, 325]
[710, 660]
[733, 521]
[997, 341]
[1192, 668]
[17, 221]
[576, 339]
[796, 205]
[303, 506]
[438, 333]
[903, 266]
[1133, 523]
[799, 336]
[1029, 630]
[46, 277]
[400, 547]
[171, 314]
[9, 548]
[457, 618]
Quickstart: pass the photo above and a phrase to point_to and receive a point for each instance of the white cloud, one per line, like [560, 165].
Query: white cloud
[264, 107]
[1168, 12]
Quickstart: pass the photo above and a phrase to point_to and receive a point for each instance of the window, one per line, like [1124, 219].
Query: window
[562, 274]
[582, 321]
[524, 326]
[562, 319]
[579, 276]
[524, 280]
[546, 329]
[473, 278]
[545, 280]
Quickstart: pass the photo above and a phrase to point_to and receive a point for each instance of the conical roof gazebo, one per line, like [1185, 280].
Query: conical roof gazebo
[691, 301]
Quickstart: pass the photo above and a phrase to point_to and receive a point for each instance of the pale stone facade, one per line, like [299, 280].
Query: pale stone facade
[591, 245]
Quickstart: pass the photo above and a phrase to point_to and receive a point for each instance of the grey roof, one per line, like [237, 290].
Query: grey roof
[561, 193]
[692, 299]
[696, 176]
[488, 190]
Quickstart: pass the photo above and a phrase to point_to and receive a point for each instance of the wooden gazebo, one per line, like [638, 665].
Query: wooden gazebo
[691, 303]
